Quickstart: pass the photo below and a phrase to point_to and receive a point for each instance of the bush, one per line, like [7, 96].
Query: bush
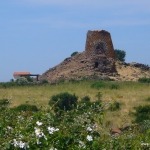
[22, 81]
[114, 86]
[144, 80]
[26, 107]
[142, 113]
[115, 106]
[145, 125]
[85, 103]
[63, 101]
[4, 102]
[7, 84]
[44, 81]
[74, 53]
[29, 79]
[98, 85]
[148, 99]
[85, 99]
[120, 54]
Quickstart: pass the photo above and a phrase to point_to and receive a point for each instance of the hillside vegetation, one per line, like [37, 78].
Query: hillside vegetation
[100, 114]
[128, 94]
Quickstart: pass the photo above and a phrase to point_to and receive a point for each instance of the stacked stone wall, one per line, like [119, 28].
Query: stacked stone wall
[103, 38]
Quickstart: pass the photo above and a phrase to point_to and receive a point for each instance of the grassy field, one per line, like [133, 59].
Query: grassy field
[87, 125]
[128, 94]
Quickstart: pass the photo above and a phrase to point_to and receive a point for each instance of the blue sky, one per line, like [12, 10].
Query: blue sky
[36, 35]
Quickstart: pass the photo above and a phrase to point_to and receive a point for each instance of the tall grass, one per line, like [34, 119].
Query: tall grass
[129, 94]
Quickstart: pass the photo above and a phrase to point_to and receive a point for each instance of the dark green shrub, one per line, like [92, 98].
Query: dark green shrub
[142, 113]
[74, 53]
[115, 106]
[29, 79]
[120, 54]
[26, 107]
[144, 80]
[4, 102]
[7, 84]
[145, 125]
[44, 81]
[63, 101]
[22, 81]
[98, 85]
[114, 86]
[85, 99]
[85, 103]
[148, 99]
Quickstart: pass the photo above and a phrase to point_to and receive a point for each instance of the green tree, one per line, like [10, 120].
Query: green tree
[120, 54]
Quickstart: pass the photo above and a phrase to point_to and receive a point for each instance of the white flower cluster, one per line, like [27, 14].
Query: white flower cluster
[20, 144]
[39, 123]
[39, 133]
[89, 138]
[145, 144]
[9, 128]
[51, 130]
[89, 129]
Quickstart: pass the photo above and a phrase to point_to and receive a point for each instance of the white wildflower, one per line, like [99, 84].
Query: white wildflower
[15, 143]
[20, 144]
[9, 128]
[82, 144]
[39, 133]
[39, 123]
[89, 138]
[145, 144]
[89, 129]
[38, 142]
[51, 130]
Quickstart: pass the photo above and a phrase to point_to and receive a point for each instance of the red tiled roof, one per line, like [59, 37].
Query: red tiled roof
[21, 73]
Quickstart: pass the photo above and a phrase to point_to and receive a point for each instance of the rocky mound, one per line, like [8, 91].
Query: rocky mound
[80, 67]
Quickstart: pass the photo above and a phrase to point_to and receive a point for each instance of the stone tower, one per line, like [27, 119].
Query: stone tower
[96, 62]
[99, 42]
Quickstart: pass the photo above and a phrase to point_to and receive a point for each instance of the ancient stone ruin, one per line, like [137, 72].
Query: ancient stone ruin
[97, 61]
[99, 43]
